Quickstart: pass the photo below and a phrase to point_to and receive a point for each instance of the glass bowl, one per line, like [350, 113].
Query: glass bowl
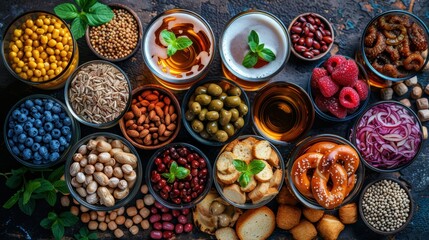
[328, 116]
[298, 24]
[410, 214]
[118, 203]
[17, 153]
[248, 204]
[16, 42]
[282, 112]
[186, 106]
[139, 34]
[138, 141]
[392, 108]
[159, 155]
[301, 148]
[80, 118]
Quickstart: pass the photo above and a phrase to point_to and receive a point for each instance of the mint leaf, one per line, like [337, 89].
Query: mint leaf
[46, 223]
[78, 27]
[45, 186]
[174, 44]
[52, 216]
[253, 46]
[57, 230]
[56, 174]
[61, 186]
[92, 236]
[29, 189]
[99, 14]
[250, 60]
[182, 172]
[86, 4]
[171, 50]
[182, 43]
[267, 55]
[168, 36]
[51, 197]
[260, 47]
[66, 11]
[68, 219]
[12, 200]
[169, 176]
[173, 167]
[256, 166]
[244, 179]
[27, 208]
[240, 165]
[17, 177]
[253, 37]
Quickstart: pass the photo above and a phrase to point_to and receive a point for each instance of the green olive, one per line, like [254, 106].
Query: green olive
[223, 96]
[212, 127]
[212, 115]
[201, 90]
[195, 108]
[203, 99]
[191, 100]
[235, 91]
[235, 114]
[232, 101]
[204, 134]
[197, 125]
[229, 129]
[239, 123]
[215, 105]
[225, 117]
[189, 115]
[214, 90]
[202, 115]
[221, 136]
[243, 109]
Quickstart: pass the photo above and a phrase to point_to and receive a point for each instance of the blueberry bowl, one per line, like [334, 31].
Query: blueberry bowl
[39, 131]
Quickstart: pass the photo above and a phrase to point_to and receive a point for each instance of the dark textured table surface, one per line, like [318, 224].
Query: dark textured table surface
[349, 18]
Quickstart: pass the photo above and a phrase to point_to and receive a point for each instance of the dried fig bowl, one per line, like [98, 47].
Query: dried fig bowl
[155, 116]
[107, 171]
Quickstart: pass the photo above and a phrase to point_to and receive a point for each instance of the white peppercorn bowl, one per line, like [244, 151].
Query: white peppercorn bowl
[410, 214]
[80, 118]
[118, 203]
[139, 37]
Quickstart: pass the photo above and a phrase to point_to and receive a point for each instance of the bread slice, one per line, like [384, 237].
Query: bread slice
[251, 141]
[224, 163]
[233, 193]
[262, 150]
[271, 193]
[274, 159]
[259, 192]
[228, 178]
[243, 151]
[256, 224]
[226, 233]
[231, 145]
[276, 179]
[250, 186]
[266, 174]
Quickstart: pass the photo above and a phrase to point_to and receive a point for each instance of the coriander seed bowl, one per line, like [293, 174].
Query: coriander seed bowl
[98, 94]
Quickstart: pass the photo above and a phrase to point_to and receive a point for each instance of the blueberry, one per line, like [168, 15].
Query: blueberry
[15, 138]
[10, 133]
[48, 117]
[15, 150]
[68, 137]
[11, 123]
[48, 105]
[34, 110]
[35, 147]
[26, 154]
[47, 138]
[46, 157]
[39, 108]
[22, 137]
[28, 126]
[16, 113]
[48, 126]
[41, 131]
[62, 148]
[38, 123]
[22, 118]
[37, 158]
[54, 145]
[56, 133]
[29, 104]
[63, 115]
[32, 132]
[37, 115]
[54, 156]
[38, 139]
[57, 108]
[38, 102]
[31, 119]
[21, 147]
[65, 130]
[29, 142]
[11, 142]
[18, 129]
[43, 150]
[67, 121]
[63, 141]
[58, 124]
[24, 111]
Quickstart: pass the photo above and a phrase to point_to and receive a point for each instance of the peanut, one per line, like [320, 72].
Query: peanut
[103, 146]
[126, 158]
[74, 169]
[101, 178]
[120, 194]
[106, 197]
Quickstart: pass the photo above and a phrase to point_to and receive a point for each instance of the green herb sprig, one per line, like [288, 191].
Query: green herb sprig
[85, 234]
[174, 44]
[57, 223]
[176, 172]
[91, 13]
[247, 170]
[256, 51]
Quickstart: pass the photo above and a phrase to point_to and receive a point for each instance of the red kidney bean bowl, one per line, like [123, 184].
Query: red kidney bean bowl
[167, 179]
[312, 36]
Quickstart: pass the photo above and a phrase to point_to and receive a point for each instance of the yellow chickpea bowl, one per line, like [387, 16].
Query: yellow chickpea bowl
[39, 50]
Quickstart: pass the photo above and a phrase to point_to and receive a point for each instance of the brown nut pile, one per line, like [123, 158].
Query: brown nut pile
[103, 171]
[152, 119]
[117, 38]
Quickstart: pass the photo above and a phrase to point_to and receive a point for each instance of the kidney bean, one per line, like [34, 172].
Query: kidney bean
[308, 55]
[302, 19]
[317, 21]
[175, 213]
[156, 234]
[182, 219]
[310, 34]
[319, 35]
[310, 27]
[186, 211]
[154, 210]
[157, 226]
[165, 210]
[155, 218]
[166, 216]
[310, 19]
[316, 44]
[167, 226]
[315, 52]
[309, 42]
[324, 48]
[188, 227]
[167, 234]
[296, 29]
[306, 30]
[300, 49]
[327, 32]
[178, 228]
[327, 39]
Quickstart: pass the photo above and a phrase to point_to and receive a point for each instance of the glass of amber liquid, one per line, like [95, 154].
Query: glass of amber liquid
[233, 46]
[185, 67]
[282, 112]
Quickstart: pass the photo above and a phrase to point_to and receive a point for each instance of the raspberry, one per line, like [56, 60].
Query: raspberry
[349, 98]
[362, 89]
[346, 74]
[333, 62]
[335, 108]
[320, 102]
[316, 75]
[327, 87]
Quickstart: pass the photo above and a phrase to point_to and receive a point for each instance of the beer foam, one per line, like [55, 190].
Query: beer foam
[234, 44]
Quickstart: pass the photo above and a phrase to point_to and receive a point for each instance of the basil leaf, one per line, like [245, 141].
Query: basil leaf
[52, 216]
[240, 165]
[182, 172]
[56, 174]
[267, 55]
[27, 208]
[173, 167]
[256, 166]
[253, 37]
[244, 179]
[78, 27]
[29, 189]
[182, 43]
[171, 50]
[168, 36]
[81, 3]
[46, 223]
[61, 186]
[45, 186]
[51, 198]
[99, 14]
[253, 46]
[68, 219]
[260, 47]
[12, 200]
[169, 176]
[66, 11]
[250, 60]
[92, 236]
[57, 230]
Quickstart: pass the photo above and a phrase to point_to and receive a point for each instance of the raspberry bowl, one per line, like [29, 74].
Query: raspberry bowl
[339, 89]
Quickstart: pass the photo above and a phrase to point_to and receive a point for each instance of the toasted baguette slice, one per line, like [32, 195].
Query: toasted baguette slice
[266, 174]
[256, 224]
[262, 150]
[224, 163]
[250, 186]
[274, 159]
[228, 178]
[276, 179]
[259, 192]
[233, 193]
[231, 145]
[226, 233]
[251, 141]
[272, 192]
[243, 151]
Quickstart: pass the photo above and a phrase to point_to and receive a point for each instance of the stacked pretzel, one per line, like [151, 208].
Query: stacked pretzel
[326, 173]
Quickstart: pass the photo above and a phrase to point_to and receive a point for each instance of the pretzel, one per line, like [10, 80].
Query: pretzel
[326, 197]
[322, 147]
[300, 171]
[343, 154]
